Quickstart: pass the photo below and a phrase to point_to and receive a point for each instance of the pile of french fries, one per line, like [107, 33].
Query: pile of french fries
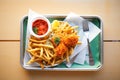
[42, 50]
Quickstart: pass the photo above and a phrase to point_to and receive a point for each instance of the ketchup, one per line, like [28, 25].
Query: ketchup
[40, 27]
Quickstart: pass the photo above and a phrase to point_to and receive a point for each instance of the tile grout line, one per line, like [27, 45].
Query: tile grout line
[9, 40]
[111, 40]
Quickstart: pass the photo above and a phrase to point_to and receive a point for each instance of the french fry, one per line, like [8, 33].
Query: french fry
[42, 45]
[59, 61]
[36, 41]
[53, 62]
[50, 54]
[41, 64]
[46, 57]
[41, 52]
[31, 50]
[79, 42]
[71, 51]
[74, 27]
[33, 54]
[67, 57]
[31, 60]
[47, 54]
[29, 45]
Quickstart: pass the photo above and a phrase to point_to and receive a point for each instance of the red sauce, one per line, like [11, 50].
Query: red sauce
[40, 27]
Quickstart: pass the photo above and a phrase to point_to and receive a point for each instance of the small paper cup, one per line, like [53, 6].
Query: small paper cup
[31, 27]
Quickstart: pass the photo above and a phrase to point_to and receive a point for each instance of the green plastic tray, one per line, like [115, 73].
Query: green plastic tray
[96, 46]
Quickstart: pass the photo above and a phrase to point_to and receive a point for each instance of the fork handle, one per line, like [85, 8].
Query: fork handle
[91, 60]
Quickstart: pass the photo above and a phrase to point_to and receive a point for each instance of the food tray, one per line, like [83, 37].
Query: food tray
[96, 46]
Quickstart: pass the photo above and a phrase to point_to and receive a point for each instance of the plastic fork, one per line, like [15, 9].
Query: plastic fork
[86, 31]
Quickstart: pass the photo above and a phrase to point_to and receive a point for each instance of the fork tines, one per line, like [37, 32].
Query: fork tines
[85, 25]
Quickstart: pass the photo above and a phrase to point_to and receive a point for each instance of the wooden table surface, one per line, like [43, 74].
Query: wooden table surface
[11, 13]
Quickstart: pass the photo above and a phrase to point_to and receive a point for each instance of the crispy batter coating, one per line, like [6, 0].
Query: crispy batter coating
[71, 41]
[61, 49]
